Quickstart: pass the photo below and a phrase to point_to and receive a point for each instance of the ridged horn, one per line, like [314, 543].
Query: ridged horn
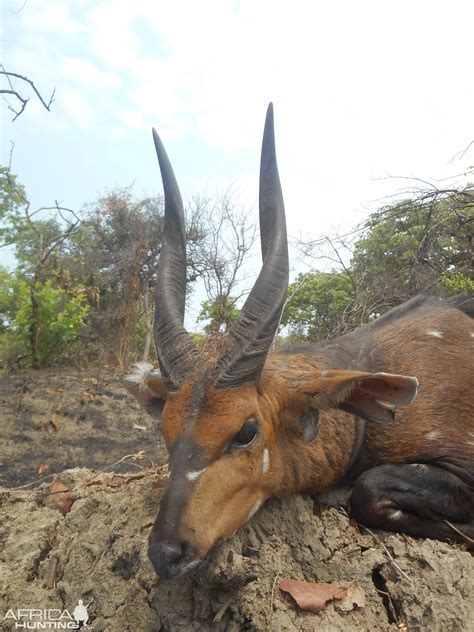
[176, 351]
[253, 331]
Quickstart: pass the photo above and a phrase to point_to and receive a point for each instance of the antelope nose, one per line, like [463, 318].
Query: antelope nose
[168, 558]
[168, 552]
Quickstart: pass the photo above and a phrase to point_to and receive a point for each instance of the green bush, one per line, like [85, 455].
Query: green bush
[59, 318]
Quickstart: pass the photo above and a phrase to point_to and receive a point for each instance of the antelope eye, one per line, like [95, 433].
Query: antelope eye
[246, 435]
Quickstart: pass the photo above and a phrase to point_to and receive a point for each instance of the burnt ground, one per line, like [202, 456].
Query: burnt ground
[51, 420]
[79, 423]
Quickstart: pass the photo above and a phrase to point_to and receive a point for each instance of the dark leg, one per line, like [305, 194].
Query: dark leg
[416, 499]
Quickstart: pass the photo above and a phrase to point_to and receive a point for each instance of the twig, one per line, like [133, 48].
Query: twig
[21, 488]
[221, 612]
[392, 607]
[51, 576]
[138, 455]
[470, 540]
[389, 555]
[460, 154]
[272, 597]
[15, 93]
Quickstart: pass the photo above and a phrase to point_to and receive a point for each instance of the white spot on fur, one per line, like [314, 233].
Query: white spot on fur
[139, 374]
[265, 461]
[436, 334]
[434, 434]
[192, 475]
[323, 373]
[419, 466]
[472, 334]
[397, 514]
[254, 509]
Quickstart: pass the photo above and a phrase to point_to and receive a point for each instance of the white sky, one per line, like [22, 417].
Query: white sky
[361, 90]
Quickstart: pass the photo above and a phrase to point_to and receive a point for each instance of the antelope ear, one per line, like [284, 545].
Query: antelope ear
[146, 384]
[372, 396]
[309, 422]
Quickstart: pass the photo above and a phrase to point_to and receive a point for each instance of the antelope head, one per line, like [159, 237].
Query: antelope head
[221, 420]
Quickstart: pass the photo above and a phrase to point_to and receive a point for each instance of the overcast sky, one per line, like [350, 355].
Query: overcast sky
[361, 90]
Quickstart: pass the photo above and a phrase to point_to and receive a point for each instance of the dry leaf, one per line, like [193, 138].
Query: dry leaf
[56, 423]
[59, 498]
[355, 598]
[147, 525]
[311, 596]
[42, 468]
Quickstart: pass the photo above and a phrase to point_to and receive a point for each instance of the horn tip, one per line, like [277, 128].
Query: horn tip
[270, 111]
[156, 137]
[268, 142]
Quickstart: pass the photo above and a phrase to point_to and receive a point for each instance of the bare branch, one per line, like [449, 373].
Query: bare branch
[46, 103]
[460, 154]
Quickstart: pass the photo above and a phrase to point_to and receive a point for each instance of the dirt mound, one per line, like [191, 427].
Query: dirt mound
[97, 553]
[53, 420]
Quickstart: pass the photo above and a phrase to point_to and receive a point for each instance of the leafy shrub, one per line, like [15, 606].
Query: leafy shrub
[58, 320]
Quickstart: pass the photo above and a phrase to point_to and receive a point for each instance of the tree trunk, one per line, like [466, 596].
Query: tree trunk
[148, 321]
[34, 328]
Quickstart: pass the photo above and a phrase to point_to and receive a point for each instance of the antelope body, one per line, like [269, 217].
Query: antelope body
[251, 424]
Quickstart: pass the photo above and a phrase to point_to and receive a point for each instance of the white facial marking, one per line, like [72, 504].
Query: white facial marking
[436, 334]
[139, 373]
[192, 475]
[254, 509]
[265, 461]
[396, 514]
[434, 434]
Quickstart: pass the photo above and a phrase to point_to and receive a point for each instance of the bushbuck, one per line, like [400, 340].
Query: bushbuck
[251, 424]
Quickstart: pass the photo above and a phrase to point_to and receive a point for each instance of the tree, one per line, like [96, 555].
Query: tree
[37, 243]
[57, 316]
[317, 303]
[419, 245]
[416, 246]
[115, 255]
[220, 314]
[226, 235]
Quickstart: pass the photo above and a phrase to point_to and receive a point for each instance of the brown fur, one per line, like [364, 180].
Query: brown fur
[436, 428]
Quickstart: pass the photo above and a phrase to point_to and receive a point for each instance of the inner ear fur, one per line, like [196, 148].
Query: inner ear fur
[147, 386]
[372, 396]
